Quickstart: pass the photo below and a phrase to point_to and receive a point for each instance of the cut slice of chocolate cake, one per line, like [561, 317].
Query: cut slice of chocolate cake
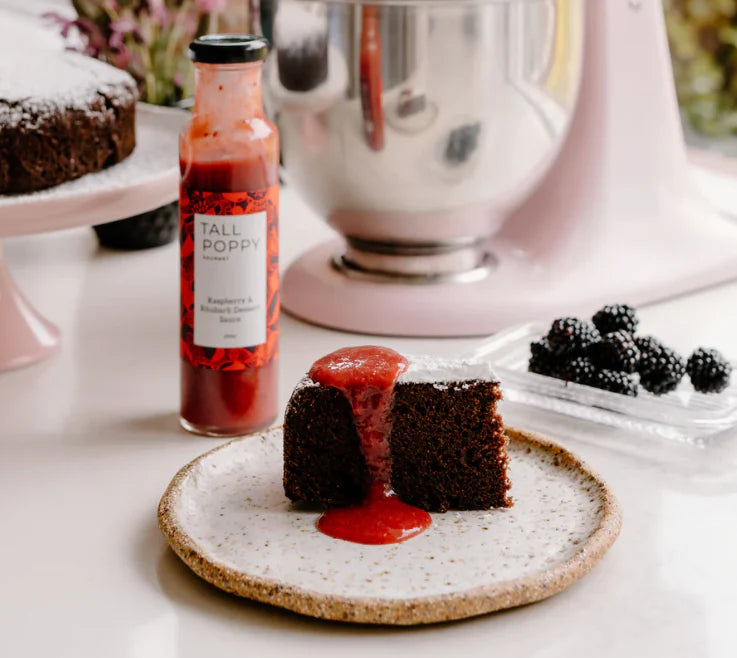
[444, 437]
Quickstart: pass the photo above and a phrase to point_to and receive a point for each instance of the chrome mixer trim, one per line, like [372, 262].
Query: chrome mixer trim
[345, 266]
[412, 248]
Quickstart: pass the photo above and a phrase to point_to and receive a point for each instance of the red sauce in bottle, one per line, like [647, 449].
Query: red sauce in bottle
[367, 376]
[229, 157]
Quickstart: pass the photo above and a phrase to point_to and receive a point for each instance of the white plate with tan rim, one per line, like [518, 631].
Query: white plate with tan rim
[226, 516]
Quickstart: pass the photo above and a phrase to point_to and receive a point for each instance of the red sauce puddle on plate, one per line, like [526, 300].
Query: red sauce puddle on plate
[366, 376]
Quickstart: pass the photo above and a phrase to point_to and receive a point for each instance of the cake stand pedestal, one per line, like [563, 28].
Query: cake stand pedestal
[148, 178]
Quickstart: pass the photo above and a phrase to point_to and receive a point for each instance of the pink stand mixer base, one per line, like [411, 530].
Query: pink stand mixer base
[617, 219]
[517, 291]
[26, 337]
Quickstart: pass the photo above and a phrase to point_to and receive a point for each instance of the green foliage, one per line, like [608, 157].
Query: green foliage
[703, 42]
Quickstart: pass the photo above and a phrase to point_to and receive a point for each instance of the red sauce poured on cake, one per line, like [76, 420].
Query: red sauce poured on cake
[379, 519]
[366, 376]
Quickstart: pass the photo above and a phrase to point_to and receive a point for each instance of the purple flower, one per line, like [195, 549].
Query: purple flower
[210, 6]
[92, 38]
[132, 34]
[62, 21]
[96, 42]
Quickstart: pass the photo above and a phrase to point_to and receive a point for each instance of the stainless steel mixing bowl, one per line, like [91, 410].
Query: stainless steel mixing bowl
[414, 126]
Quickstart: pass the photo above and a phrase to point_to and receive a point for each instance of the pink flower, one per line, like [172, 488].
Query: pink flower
[159, 11]
[122, 58]
[210, 6]
[132, 34]
[119, 29]
[124, 25]
[189, 24]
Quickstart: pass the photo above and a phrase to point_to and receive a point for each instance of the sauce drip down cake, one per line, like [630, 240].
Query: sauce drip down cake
[367, 422]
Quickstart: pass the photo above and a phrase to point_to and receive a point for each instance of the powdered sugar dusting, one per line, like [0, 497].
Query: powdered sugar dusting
[426, 369]
[38, 77]
[44, 82]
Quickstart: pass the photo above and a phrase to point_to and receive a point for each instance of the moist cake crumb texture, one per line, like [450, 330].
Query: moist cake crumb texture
[447, 442]
[62, 115]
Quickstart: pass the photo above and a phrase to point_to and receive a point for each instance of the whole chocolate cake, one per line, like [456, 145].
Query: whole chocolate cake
[445, 442]
[62, 115]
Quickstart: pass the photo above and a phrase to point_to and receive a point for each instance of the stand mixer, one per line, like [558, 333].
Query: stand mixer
[488, 162]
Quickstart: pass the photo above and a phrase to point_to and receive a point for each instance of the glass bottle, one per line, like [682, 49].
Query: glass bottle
[229, 161]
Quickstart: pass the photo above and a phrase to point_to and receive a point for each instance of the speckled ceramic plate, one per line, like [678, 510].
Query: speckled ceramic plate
[226, 516]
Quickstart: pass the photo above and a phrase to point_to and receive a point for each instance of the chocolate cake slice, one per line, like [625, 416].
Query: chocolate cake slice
[446, 439]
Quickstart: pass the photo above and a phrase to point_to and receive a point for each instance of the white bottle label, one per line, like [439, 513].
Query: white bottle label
[230, 280]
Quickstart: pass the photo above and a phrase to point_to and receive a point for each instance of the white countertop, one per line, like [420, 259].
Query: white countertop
[89, 440]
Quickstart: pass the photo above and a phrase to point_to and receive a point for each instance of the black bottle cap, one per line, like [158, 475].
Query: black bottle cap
[228, 48]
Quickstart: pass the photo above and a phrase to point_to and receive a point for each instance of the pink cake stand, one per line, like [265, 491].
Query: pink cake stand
[148, 178]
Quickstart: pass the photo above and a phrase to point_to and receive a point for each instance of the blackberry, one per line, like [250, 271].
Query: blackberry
[615, 317]
[648, 345]
[616, 382]
[660, 383]
[656, 357]
[542, 360]
[616, 351]
[540, 348]
[579, 370]
[661, 368]
[571, 336]
[709, 370]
